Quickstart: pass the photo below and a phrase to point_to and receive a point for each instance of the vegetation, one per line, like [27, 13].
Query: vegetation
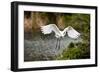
[75, 51]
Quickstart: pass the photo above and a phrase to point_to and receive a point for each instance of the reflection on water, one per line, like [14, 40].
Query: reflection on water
[44, 47]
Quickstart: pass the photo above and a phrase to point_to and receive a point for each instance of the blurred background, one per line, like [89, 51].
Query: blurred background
[39, 47]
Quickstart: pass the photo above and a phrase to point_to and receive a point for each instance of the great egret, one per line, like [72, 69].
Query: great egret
[71, 32]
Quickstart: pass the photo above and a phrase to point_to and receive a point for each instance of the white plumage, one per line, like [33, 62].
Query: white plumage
[72, 33]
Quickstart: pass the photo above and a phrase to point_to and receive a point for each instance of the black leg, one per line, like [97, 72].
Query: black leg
[57, 44]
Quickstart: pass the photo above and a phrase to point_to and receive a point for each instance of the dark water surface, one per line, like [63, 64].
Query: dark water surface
[45, 47]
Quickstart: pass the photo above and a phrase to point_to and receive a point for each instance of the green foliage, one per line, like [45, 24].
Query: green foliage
[71, 45]
[73, 53]
[78, 51]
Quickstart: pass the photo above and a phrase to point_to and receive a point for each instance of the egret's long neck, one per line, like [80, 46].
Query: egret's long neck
[64, 31]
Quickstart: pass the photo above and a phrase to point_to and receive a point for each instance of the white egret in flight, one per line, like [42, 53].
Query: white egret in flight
[71, 32]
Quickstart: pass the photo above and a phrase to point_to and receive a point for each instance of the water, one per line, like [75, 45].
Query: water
[45, 47]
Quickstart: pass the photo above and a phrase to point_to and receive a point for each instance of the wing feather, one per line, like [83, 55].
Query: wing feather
[73, 33]
[50, 28]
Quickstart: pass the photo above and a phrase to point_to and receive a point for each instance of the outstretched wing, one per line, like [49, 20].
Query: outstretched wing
[50, 28]
[72, 33]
